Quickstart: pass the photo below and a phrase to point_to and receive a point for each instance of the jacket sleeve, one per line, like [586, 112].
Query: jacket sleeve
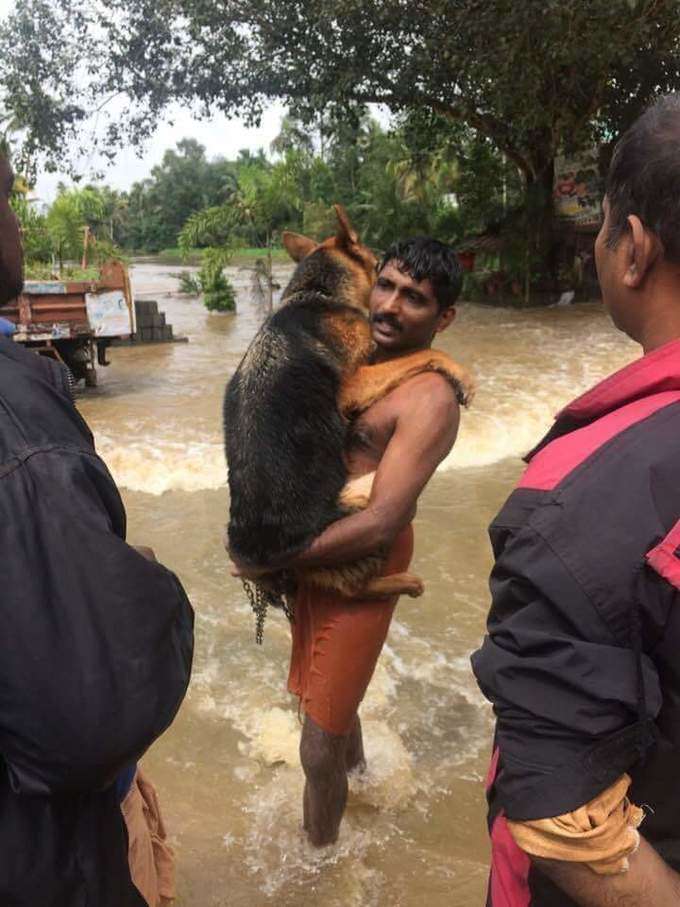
[96, 642]
[568, 696]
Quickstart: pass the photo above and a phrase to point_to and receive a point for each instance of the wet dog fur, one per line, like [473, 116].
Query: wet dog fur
[285, 434]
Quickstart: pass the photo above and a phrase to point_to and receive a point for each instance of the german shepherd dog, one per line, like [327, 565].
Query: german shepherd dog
[285, 434]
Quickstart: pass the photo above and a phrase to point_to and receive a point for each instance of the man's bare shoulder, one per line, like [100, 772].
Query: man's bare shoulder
[429, 389]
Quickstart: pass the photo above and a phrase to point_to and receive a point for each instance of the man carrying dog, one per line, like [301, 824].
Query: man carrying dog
[402, 435]
[581, 661]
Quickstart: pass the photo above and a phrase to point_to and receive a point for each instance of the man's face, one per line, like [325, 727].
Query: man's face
[405, 314]
[11, 255]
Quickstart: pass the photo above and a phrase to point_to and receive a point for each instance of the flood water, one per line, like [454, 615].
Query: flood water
[228, 770]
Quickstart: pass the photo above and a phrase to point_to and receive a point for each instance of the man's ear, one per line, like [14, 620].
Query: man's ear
[346, 234]
[297, 245]
[445, 318]
[644, 248]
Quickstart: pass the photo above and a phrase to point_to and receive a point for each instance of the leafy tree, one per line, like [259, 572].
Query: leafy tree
[211, 228]
[532, 78]
[42, 44]
[180, 185]
[408, 180]
[318, 220]
[35, 238]
[114, 219]
[69, 214]
[294, 136]
[184, 183]
[145, 228]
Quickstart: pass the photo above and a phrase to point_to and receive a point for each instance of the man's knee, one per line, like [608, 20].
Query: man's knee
[321, 754]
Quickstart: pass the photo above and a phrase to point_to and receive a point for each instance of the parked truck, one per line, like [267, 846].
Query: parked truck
[75, 321]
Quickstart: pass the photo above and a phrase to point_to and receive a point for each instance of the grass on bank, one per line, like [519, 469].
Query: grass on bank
[240, 257]
[41, 271]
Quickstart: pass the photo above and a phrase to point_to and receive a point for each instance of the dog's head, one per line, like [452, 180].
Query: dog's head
[342, 261]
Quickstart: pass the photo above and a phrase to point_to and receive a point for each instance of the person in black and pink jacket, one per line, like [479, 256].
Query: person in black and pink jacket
[582, 656]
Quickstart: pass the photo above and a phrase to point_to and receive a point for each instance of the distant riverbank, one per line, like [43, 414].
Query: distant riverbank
[240, 257]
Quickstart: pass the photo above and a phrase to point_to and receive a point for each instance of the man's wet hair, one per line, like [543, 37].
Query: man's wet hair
[644, 176]
[424, 258]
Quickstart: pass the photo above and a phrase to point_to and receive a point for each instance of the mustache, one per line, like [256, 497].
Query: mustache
[387, 319]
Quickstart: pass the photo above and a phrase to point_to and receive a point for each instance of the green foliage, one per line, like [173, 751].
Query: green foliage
[183, 184]
[210, 227]
[71, 212]
[35, 236]
[218, 293]
[104, 249]
[318, 220]
[36, 270]
[527, 80]
[42, 44]
[189, 283]
[59, 234]
[418, 177]
[532, 77]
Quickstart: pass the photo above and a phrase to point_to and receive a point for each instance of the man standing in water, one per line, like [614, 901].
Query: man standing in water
[95, 652]
[402, 436]
[581, 658]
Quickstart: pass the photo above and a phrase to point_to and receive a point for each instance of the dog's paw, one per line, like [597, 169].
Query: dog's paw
[415, 588]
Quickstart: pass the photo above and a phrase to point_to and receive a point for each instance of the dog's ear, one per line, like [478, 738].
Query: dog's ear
[297, 245]
[346, 234]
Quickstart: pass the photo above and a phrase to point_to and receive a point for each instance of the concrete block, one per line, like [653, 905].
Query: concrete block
[145, 312]
[143, 318]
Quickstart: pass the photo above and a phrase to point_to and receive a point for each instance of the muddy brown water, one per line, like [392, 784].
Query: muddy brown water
[228, 769]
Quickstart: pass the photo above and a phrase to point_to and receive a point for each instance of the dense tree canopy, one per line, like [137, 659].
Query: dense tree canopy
[531, 76]
[394, 182]
[531, 79]
[184, 182]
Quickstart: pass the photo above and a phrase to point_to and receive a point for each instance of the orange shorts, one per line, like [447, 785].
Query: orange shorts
[151, 861]
[336, 644]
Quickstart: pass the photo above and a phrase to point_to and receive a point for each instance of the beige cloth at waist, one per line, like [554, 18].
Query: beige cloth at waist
[151, 860]
[601, 834]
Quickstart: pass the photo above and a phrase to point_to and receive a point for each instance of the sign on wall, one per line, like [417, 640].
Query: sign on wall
[578, 188]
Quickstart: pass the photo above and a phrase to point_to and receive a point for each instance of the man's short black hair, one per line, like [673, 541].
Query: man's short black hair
[644, 176]
[424, 258]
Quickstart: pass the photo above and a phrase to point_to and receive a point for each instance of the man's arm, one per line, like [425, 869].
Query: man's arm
[648, 883]
[425, 431]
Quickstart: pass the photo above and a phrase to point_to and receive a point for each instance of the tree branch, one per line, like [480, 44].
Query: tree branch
[484, 123]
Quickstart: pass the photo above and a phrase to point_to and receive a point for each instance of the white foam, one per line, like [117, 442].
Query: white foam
[275, 737]
[388, 782]
[487, 438]
[161, 466]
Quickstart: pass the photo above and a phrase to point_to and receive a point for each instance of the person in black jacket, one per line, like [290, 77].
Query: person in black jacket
[96, 648]
[581, 660]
